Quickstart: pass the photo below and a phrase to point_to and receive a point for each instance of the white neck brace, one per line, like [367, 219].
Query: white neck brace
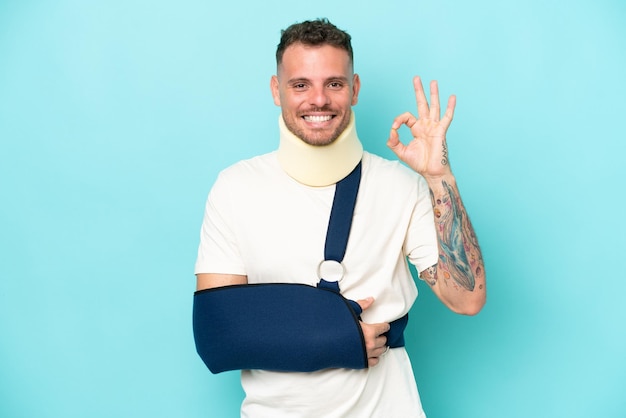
[318, 166]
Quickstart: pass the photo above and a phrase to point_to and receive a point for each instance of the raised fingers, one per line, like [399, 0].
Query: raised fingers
[447, 117]
[434, 101]
[420, 98]
[433, 111]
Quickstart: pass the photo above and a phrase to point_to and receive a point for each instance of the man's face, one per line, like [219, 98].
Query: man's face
[316, 88]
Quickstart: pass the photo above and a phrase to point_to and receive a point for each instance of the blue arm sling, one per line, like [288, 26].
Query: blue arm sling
[289, 327]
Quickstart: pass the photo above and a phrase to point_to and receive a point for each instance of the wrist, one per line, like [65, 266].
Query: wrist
[436, 182]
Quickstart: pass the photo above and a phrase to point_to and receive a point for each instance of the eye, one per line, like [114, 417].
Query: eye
[299, 86]
[335, 85]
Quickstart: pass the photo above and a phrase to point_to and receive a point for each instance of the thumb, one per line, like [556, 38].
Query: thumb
[365, 303]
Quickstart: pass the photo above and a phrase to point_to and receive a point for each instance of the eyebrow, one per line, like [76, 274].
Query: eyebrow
[304, 79]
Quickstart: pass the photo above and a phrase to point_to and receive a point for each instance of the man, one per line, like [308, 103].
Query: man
[266, 221]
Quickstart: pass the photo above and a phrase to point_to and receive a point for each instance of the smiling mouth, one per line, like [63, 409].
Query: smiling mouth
[317, 119]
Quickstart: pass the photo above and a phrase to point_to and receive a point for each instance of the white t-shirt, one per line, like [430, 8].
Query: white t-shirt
[261, 223]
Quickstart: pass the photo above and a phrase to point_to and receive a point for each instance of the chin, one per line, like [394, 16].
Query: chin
[318, 141]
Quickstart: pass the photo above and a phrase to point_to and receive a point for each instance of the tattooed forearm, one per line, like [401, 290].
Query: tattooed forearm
[429, 275]
[455, 232]
[444, 160]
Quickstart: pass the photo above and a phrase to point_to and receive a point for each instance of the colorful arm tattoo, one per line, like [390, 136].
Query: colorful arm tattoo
[456, 237]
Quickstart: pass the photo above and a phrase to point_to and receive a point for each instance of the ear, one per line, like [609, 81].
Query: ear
[275, 91]
[356, 87]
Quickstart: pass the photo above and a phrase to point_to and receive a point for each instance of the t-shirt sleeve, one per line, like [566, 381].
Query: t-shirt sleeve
[421, 240]
[218, 251]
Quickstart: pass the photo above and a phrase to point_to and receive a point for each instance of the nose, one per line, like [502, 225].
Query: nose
[319, 97]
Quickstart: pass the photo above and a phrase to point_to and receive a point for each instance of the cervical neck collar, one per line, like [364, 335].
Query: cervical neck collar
[315, 165]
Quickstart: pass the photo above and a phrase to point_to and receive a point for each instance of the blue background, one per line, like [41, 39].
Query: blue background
[116, 116]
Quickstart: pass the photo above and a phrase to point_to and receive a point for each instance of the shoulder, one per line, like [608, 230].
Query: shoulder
[249, 171]
[245, 178]
[251, 166]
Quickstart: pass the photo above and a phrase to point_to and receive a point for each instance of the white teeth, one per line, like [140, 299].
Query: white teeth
[317, 118]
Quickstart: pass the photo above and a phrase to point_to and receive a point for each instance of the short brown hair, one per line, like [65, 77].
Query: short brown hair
[316, 32]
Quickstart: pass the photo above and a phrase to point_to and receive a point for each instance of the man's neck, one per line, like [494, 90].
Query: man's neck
[315, 165]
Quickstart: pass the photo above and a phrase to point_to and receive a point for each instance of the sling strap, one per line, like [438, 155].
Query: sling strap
[341, 214]
[337, 235]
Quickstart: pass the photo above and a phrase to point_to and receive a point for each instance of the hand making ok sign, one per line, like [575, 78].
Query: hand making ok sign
[427, 153]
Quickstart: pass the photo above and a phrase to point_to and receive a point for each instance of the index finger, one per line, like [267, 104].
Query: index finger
[420, 97]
